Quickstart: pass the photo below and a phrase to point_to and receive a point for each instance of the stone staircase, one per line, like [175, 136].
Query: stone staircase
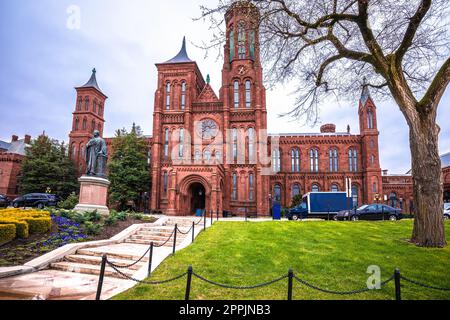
[88, 260]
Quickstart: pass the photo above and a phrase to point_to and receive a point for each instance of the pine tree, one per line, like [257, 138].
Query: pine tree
[47, 167]
[128, 167]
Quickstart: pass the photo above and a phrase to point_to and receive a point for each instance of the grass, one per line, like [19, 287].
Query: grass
[331, 255]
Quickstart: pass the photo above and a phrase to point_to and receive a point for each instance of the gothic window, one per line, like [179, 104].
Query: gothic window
[218, 156]
[374, 187]
[84, 124]
[232, 44]
[74, 151]
[235, 146]
[86, 103]
[93, 125]
[372, 159]
[334, 160]
[370, 119]
[168, 96]
[276, 160]
[353, 160]
[183, 95]
[166, 143]
[334, 188]
[315, 188]
[80, 104]
[251, 187]
[207, 155]
[295, 160]
[355, 195]
[235, 184]
[99, 127]
[242, 50]
[181, 144]
[248, 94]
[314, 160]
[94, 106]
[251, 145]
[165, 183]
[393, 199]
[77, 124]
[236, 94]
[252, 44]
[295, 190]
[277, 193]
[197, 156]
[100, 110]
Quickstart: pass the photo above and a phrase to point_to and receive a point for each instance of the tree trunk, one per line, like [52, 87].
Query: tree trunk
[429, 228]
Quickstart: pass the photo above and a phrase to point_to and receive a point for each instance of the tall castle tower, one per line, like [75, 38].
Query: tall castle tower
[370, 151]
[87, 117]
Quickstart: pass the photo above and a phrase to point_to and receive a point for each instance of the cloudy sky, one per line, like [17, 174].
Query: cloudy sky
[44, 56]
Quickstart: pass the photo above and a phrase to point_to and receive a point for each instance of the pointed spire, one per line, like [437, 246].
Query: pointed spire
[92, 83]
[182, 56]
[365, 95]
[208, 79]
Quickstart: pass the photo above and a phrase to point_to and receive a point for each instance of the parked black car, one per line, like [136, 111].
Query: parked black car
[36, 200]
[371, 212]
[446, 211]
[4, 201]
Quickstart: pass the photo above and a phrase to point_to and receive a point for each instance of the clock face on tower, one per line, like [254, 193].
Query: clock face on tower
[207, 129]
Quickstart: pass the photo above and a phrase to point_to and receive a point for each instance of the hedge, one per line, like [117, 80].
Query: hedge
[7, 233]
[22, 230]
[39, 225]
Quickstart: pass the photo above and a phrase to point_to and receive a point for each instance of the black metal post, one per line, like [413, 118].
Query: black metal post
[398, 290]
[193, 232]
[246, 216]
[382, 211]
[217, 214]
[211, 217]
[188, 283]
[102, 276]
[150, 258]
[175, 238]
[204, 221]
[290, 281]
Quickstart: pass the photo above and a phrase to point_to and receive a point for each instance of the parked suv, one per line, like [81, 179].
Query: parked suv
[371, 212]
[36, 200]
[446, 211]
[4, 201]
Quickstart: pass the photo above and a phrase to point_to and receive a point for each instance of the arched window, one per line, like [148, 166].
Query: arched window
[92, 125]
[355, 195]
[74, 151]
[232, 41]
[236, 94]
[168, 96]
[207, 155]
[315, 188]
[86, 103]
[82, 152]
[276, 160]
[235, 144]
[295, 190]
[181, 144]
[99, 127]
[251, 187]
[235, 185]
[242, 50]
[372, 159]
[314, 160]
[295, 160]
[251, 146]
[100, 110]
[165, 183]
[277, 193]
[252, 38]
[77, 124]
[334, 160]
[248, 94]
[80, 104]
[353, 160]
[94, 106]
[183, 95]
[197, 156]
[166, 143]
[334, 188]
[85, 124]
[374, 187]
[370, 119]
[393, 200]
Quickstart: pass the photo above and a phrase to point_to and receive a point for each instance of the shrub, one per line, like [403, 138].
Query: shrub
[7, 232]
[122, 216]
[92, 216]
[21, 227]
[39, 225]
[70, 202]
[111, 220]
[92, 229]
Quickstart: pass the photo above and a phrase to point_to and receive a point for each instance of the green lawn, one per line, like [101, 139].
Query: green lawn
[332, 255]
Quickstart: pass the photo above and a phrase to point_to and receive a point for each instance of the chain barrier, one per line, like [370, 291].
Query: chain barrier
[143, 281]
[130, 265]
[265, 284]
[185, 233]
[167, 241]
[200, 221]
[423, 285]
[340, 292]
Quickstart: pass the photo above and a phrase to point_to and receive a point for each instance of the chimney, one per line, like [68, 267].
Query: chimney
[14, 138]
[27, 139]
[385, 172]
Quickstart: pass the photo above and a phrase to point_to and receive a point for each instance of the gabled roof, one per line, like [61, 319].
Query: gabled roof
[207, 95]
[182, 56]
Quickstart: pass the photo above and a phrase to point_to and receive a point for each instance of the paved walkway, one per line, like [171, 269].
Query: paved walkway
[74, 275]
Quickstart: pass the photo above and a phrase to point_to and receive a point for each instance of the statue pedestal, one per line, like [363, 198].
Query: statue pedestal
[93, 194]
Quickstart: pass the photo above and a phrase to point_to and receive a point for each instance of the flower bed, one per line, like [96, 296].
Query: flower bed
[26, 222]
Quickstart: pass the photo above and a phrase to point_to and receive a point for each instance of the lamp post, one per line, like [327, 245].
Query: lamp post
[270, 203]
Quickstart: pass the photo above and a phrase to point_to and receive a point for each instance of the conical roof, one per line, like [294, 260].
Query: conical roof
[92, 83]
[182, 56]
[365, 95]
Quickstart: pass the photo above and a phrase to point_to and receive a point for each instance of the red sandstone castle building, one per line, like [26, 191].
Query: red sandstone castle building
[212, 151]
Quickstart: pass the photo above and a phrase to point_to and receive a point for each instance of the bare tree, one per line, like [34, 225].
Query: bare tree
[328, 46]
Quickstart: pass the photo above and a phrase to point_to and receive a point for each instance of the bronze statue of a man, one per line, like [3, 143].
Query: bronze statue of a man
[96, 156]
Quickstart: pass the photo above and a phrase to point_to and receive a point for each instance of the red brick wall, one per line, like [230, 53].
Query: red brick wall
[10, 166]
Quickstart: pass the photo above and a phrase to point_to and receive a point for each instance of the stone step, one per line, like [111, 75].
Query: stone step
[89, 269]
[137, 241]
[159, 234]
[93, 260]
[123, 256]
[152, 237]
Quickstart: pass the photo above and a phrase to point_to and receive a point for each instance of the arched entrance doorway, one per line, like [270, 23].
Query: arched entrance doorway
[197, 195]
